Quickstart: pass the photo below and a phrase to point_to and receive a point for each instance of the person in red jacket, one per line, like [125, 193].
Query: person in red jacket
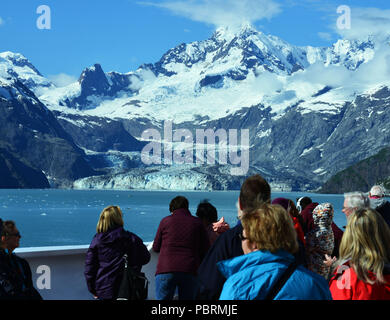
[289, 206]
[182, 242]
[363, 271]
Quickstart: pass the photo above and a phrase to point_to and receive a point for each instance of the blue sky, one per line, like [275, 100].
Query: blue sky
[123, 34]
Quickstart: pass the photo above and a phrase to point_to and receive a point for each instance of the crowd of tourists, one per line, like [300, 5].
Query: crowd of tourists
[283, 249]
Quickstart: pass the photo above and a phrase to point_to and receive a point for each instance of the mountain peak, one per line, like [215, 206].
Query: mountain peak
[248, 28]
[13, 56]
[95, 68]
[95, 71]
[18, 60]
[230, 32]
[93, 80]
[5, 54]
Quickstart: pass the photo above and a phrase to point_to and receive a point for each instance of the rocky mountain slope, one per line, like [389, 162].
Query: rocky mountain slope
[17, 173]
[362, 175]
[28, 130]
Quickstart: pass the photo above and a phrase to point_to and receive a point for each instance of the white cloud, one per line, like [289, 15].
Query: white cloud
[268, 83]
[317, 73]
[62, 79]
[221, 13]
[1, 21]
[377, 70]
[366, 22]
[369, 74]
[325, 36]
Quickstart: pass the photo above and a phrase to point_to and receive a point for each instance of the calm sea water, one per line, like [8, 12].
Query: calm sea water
[68, 217]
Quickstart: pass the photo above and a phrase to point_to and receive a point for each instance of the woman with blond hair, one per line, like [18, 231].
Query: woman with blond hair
[104, 261]
[268, 269]
[363, 268]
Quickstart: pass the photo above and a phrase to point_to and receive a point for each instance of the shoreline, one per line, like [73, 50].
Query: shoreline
[387, 196]
[164, 191]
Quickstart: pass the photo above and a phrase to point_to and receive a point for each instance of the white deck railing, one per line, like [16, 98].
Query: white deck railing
[58, 272]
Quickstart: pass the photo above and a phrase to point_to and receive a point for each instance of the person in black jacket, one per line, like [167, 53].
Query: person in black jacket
[15, 272]
[254, 192]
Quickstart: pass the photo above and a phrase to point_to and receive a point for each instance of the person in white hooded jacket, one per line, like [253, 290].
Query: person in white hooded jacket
[379, 203]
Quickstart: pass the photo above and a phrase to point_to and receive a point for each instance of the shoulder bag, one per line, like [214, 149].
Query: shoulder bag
[134, 285]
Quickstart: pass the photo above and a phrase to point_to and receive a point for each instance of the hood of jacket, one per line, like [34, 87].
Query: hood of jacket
[375, 203]
[255, 258]
[110, 235]
[323, 215]
[310, 207]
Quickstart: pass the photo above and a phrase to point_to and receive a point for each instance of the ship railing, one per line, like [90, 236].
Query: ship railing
[58, 272]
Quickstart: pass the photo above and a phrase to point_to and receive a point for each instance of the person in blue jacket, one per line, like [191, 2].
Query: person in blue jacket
[254, 191]
[269, 241]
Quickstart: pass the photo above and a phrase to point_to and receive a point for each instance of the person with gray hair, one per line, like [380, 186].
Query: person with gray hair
[379, 203]
[353, 201]
[16, 281]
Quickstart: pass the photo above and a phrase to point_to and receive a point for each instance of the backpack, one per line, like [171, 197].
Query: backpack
[134, 285]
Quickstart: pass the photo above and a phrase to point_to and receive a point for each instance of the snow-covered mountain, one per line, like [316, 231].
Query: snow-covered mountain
[296, 102]
[210, 78]
[15, 65]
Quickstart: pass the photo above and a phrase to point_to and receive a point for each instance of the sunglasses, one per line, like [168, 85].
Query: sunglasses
[241, 236]
[14, 235]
